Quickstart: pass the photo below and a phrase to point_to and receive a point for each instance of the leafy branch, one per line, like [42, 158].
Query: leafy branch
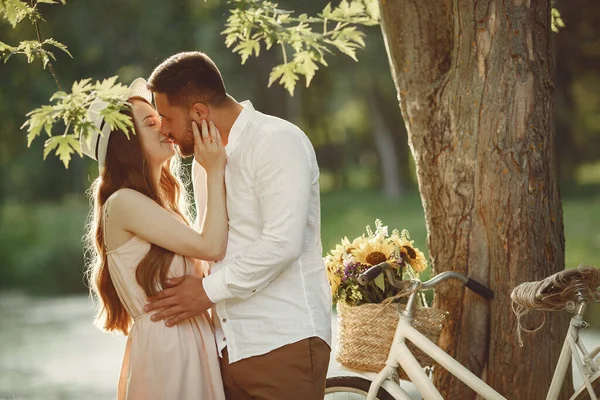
[14, 12]
[33, 49]
[66, 109]
[253, 22]
[70, 109]
[251, 25]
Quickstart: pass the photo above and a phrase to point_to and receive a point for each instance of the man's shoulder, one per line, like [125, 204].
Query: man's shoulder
[270, 124]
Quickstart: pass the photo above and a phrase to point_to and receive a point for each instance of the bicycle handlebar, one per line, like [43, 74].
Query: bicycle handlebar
[480, 289]
[370, 274]
[476, 286]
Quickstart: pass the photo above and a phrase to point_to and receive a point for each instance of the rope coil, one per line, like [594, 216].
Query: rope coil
[555, 293]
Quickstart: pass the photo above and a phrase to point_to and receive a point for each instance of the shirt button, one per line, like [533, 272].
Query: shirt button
[224, 339]
[254, 291]
[224, 320]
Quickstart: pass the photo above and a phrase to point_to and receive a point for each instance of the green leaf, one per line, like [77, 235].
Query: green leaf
[556, 20]
[71, 109]
[74, 143]
[372, 9]
[286, 75]
[116, 120]
[64, 150]
[276, 73]
[346, 48]
[350, 34]
[5, 47]
[252, 22]
[246, 48]
[326, 13]
[305, 65]
[380, 282]
[14, 11]
[58, 45]
[38, 120]
[6, 51]
[49, 145]
[81, 86]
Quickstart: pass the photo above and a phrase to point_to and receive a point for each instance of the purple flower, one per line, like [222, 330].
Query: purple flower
[350, 268]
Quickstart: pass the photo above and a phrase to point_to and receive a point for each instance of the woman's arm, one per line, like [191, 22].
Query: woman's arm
[140, 215]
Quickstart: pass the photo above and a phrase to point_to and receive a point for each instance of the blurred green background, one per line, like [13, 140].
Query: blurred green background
[350, 112]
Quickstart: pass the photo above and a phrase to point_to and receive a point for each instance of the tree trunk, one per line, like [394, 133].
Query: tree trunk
[475, 82]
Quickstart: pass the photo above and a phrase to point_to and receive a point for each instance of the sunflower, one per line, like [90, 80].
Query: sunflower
[334, 274]
[375, 250]
[341, 249]
[410, 254]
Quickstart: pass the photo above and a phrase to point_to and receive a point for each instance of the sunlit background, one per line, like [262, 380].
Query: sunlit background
[48, 346]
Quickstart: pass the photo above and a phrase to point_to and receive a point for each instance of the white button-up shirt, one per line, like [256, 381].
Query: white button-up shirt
[271, 288]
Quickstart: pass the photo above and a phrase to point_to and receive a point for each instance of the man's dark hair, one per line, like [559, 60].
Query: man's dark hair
[187, 78]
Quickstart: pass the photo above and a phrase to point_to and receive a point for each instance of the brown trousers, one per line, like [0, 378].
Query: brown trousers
[296, 371]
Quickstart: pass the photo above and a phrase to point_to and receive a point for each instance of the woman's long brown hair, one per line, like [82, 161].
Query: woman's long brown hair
[126, 167]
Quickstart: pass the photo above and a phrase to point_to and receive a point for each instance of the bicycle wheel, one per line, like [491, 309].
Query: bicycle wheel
[582, 393]
[351, 388]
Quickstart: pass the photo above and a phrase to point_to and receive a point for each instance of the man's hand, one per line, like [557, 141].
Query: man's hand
[185, 298]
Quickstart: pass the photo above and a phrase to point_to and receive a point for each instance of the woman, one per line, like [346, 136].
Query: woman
[139, 237]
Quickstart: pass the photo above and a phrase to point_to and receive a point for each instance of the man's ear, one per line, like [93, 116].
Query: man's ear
[200, 111]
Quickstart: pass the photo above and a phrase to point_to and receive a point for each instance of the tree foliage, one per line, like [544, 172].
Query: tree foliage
[255, 23]
[16, 11]
[68, 109]
[305, 41]
[71, 110]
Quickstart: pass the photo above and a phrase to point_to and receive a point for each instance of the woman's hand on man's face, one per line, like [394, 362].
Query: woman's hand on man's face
[208, 147]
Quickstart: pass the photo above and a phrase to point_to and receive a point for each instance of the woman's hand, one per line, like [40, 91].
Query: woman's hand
[208, 149]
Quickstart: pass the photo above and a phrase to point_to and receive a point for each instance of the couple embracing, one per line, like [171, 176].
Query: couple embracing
[236, 305]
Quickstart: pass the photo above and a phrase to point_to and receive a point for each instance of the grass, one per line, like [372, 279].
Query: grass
[347, 214]
[42, 252]
[41, 247]
[582, 230]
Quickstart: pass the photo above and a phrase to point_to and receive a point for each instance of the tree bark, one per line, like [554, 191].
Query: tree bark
[475, 82]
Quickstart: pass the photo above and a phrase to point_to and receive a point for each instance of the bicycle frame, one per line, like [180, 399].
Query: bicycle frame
[400, 355]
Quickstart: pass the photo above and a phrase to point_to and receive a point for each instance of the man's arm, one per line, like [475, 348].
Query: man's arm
[283, 186]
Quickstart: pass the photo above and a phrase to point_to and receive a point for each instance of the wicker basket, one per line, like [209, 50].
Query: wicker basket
[366, 332]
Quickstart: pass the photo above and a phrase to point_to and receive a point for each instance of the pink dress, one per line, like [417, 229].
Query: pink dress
[179, 362]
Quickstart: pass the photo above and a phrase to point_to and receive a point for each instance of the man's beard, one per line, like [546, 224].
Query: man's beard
[186, 146]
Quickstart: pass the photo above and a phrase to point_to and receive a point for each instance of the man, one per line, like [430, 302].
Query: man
[270, 293]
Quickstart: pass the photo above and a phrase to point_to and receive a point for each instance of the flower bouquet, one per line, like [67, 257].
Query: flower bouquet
[368, 315]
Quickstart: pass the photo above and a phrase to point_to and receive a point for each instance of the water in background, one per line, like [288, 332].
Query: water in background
[50, 350]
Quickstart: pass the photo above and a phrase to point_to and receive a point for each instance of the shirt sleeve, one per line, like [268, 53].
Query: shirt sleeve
[283, 186]
[199, 186]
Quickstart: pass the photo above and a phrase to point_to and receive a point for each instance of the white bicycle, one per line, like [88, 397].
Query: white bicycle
[386, 386]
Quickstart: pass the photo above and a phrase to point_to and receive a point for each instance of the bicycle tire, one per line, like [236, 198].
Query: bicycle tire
[582, 393]
[353, 384]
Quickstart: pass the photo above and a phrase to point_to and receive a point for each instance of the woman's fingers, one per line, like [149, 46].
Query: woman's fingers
[196, 133]
[215, 134]
[205, 133]
[208, 149]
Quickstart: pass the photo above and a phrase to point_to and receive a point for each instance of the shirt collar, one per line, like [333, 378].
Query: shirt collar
[239, 125]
